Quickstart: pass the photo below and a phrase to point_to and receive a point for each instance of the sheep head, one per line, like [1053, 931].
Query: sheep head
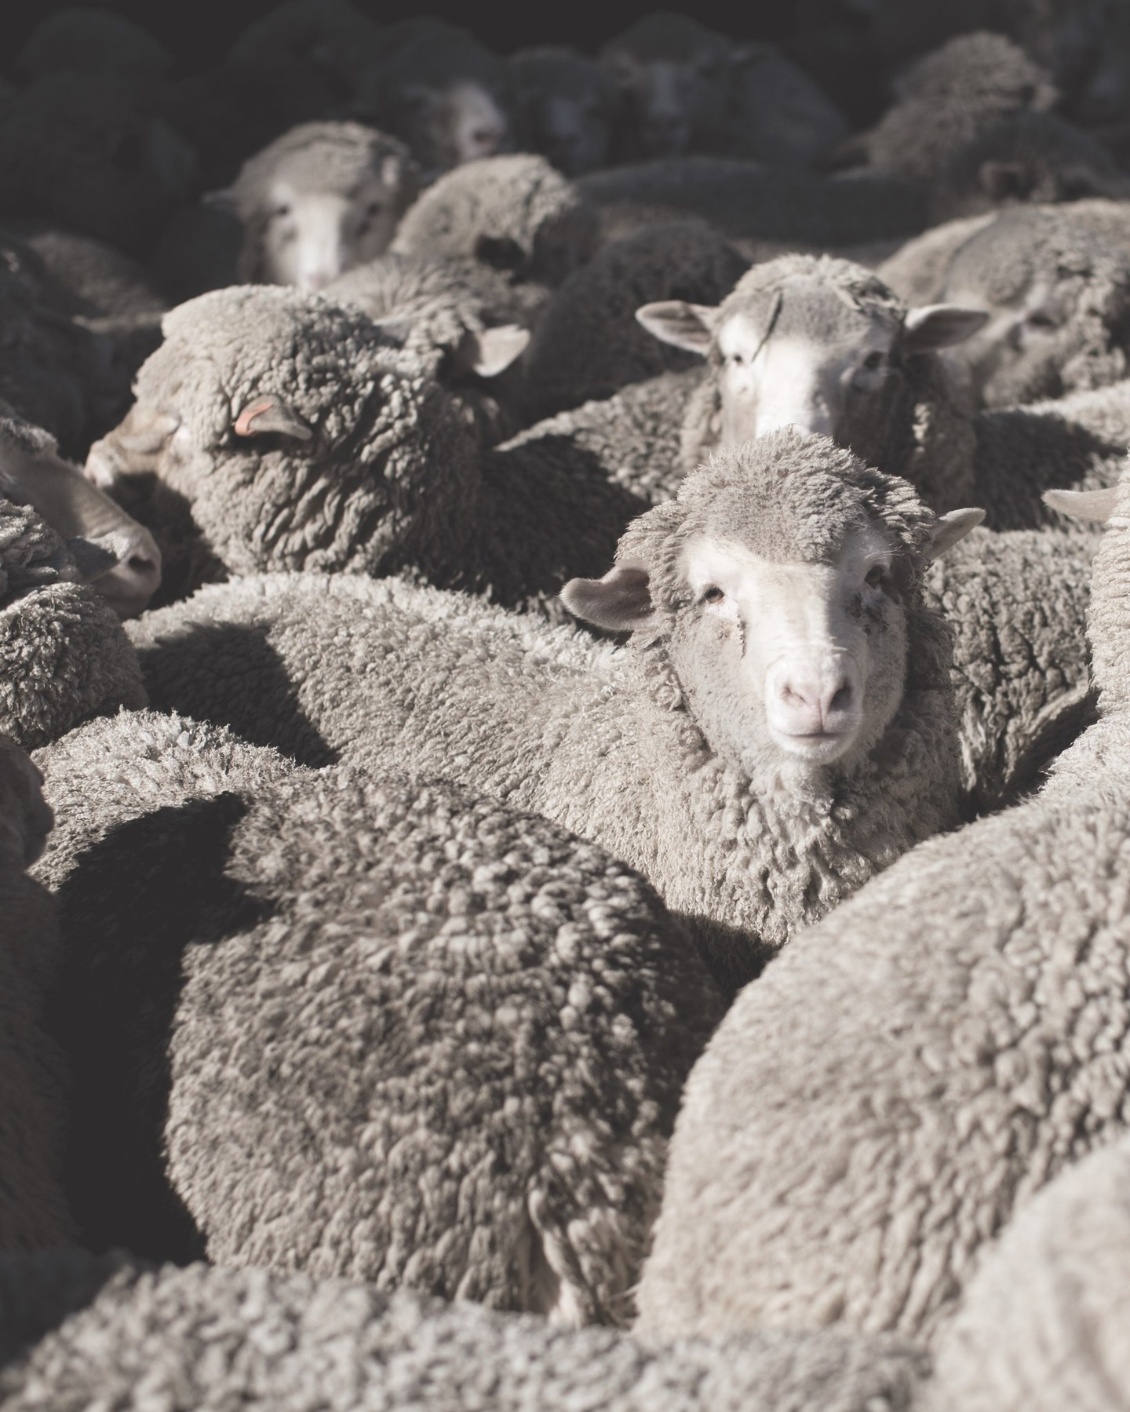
[818, 344]
[778, 596]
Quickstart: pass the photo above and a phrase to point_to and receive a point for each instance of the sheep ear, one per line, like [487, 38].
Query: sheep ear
[391, 171]
[1083, 504]
[270, 414]
[491, 351]
[683, 325]
[620, 601]
[951, 528]
[221, 200]
[934, 326]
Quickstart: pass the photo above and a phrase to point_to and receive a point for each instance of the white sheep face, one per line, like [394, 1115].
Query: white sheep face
[311, 237]
[478, 126]
[790, 662]
[1018, 353]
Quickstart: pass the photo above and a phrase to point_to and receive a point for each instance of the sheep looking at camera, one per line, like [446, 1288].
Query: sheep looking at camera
[822, 344]
[755, 789]
[322, 198]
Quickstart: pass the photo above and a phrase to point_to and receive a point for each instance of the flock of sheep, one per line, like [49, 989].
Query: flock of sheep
[565, 757]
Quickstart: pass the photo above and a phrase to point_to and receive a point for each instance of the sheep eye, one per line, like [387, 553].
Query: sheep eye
[280, 212]
[372, 210]
[1040, 319]
[876, 576]
[713, 594]
[873, 362]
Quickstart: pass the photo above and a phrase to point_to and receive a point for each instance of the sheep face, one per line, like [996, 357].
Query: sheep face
[118, 557]
[457, 123]
[806, 354]
[780, 601]
[311, 237]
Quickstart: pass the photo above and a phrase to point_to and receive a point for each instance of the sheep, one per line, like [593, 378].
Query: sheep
[588, 343]
[513, 212]
[211, 1337]
[823, 344]
[565, 106]
[498, 1135]
[444, 94]
[113, 552]
[917, 270]
[776, 112]
[329, 42]
[33, 1211]
[1058, 297]
[746, 826]
[460, 317]
[63, 653]
[84, 150]
[914, 1068]
[750, 199]
[673, 75]
[1042, 1325]
[276, 430]
[320, 199]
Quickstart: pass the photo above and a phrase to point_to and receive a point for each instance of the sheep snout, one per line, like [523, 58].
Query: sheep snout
[812, 702]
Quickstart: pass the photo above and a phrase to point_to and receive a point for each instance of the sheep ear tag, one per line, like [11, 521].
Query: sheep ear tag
[934, 326]
[1083, 504]
[951, 528]
[620, 601]
[493, 350]
[270, 415]
[683, 325]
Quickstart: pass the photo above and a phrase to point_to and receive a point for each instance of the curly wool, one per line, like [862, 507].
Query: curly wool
[1086, 280]
[957, 1034]
[588, 343]
[926, 435]
[1042, 1325]
[498, 1132]
[515, 213]
[63, 653]
[545, 719]
[390, 479]
[208, 1337]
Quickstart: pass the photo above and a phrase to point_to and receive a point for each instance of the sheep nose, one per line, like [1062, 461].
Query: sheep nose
[814, 696]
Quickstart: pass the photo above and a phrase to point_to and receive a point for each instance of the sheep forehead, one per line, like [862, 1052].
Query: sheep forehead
[809, 310]
[800, 519]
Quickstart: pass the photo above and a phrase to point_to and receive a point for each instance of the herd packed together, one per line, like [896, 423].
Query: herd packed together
[565, 708]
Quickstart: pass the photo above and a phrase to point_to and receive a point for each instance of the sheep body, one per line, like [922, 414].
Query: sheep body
[956, 1034]
[510, 1117]
[565, 107]
[205, 1336]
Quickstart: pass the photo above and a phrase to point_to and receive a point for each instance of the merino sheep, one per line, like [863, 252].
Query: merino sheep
[33, 1210]
[515, 213]
[1042, 1325]
[913, 1069]
[673, 75]
[63, 654]
[1058, 297]
[444, 94]
[499, 1128]
[775, 111]
[208, 1337]
[319, 200]
[275, 430]
[588, 343]
[750, 819]
[822, 344]
[566, 107]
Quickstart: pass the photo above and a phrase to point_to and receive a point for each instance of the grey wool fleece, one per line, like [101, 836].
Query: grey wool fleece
[33, 1210]
[411, 1036]
[207, 1339]
[606, 744]
[362, 463]
[1043, 1325]
[63, 653]
[913, 1070]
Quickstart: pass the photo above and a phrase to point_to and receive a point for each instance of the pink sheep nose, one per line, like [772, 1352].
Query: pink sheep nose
[812, 696]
